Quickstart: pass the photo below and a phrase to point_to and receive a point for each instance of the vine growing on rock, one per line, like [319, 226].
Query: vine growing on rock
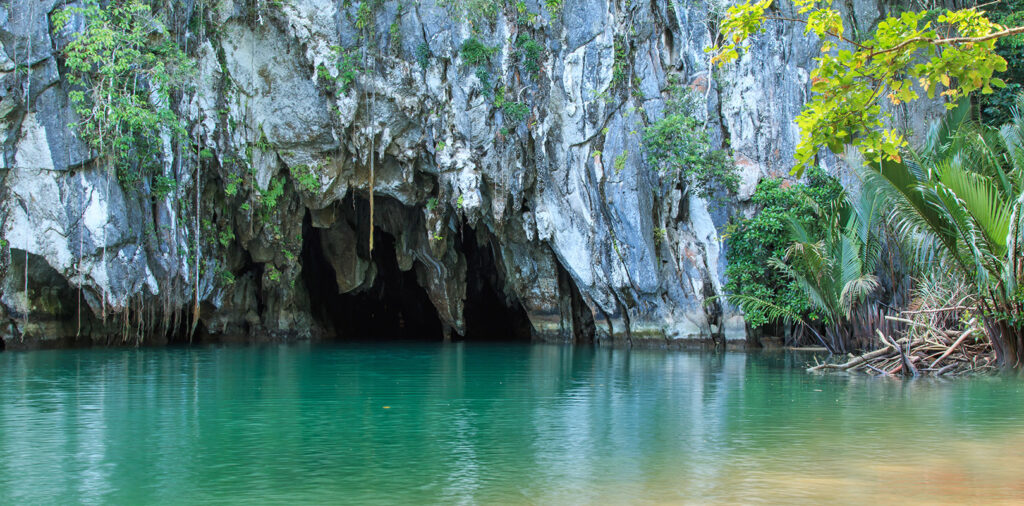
[124, 67]
[347, 69]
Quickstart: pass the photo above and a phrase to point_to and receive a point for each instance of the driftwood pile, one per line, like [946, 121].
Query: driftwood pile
[924, 350]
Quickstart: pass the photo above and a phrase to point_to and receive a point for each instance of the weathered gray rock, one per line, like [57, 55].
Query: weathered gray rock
[558, 214]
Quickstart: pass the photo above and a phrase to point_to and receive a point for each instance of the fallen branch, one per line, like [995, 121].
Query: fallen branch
[918, 353]
[853, 362]
[954, 346]
[936, 310]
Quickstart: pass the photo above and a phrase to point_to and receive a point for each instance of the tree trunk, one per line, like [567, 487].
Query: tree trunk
[1007, 342]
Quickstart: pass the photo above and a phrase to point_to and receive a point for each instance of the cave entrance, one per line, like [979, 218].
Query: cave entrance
[490, 313]
[393, 307]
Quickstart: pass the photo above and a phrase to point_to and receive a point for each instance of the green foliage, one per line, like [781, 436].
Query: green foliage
[906, 54]
[269, 198]
[995, 108]
[163, 186]
[226, 277]
[306, 177]
[529, 53]
[274, 192]
[225, 237]
[366, 13]
[554, 7]
[679, 144]
[525, 16]
[231, 185]
[475, 53]
[958, 204]
[620, 64]
[423, 55]
[474, 11]
[485, 80]
[395, 33]
[123, 68]
[751, 244]
[834, 264]
[347, 66]
[515, 112]
[620, 161]
[431, 203]
[273, 274]
[659, 236]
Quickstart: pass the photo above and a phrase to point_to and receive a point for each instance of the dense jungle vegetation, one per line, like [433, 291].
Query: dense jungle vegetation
[925, 257]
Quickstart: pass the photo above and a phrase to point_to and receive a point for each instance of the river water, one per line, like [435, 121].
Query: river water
[492, 424]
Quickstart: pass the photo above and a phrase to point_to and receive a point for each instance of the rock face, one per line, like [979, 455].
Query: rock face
[545, 221]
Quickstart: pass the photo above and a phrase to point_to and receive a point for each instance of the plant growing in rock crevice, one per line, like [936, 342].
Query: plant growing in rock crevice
[529, 53]
[347, 67]
[678, 144]
[423, 55]
[306, 177]
[476, 54]
[515, 112]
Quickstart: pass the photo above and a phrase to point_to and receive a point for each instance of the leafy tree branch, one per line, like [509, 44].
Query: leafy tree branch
[907, 55]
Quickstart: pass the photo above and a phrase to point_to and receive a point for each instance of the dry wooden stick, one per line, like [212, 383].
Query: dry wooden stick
[854, 361]
[953, 346]
[936, 310]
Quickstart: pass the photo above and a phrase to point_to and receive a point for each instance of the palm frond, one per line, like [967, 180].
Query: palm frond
[914, 217]
[981, 199]
[855, 290]
[771, 311]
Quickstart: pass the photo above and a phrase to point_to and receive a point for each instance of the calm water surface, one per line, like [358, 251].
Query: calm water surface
[493, 424]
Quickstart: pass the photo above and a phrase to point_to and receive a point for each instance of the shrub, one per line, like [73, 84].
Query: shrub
[679, 144]
[529, 52]
[751, 244]
[475, 53]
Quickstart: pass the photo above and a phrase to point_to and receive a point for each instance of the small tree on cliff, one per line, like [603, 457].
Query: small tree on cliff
[951, 54]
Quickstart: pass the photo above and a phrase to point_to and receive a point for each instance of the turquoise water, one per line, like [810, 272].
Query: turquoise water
[491, 424]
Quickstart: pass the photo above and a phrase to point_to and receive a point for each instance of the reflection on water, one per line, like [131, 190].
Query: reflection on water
[492, 424]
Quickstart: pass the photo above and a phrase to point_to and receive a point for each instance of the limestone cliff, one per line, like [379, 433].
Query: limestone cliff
[551, 212]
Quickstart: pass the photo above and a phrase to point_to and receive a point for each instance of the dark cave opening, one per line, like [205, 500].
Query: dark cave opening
[490, 313]
[394, 307]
